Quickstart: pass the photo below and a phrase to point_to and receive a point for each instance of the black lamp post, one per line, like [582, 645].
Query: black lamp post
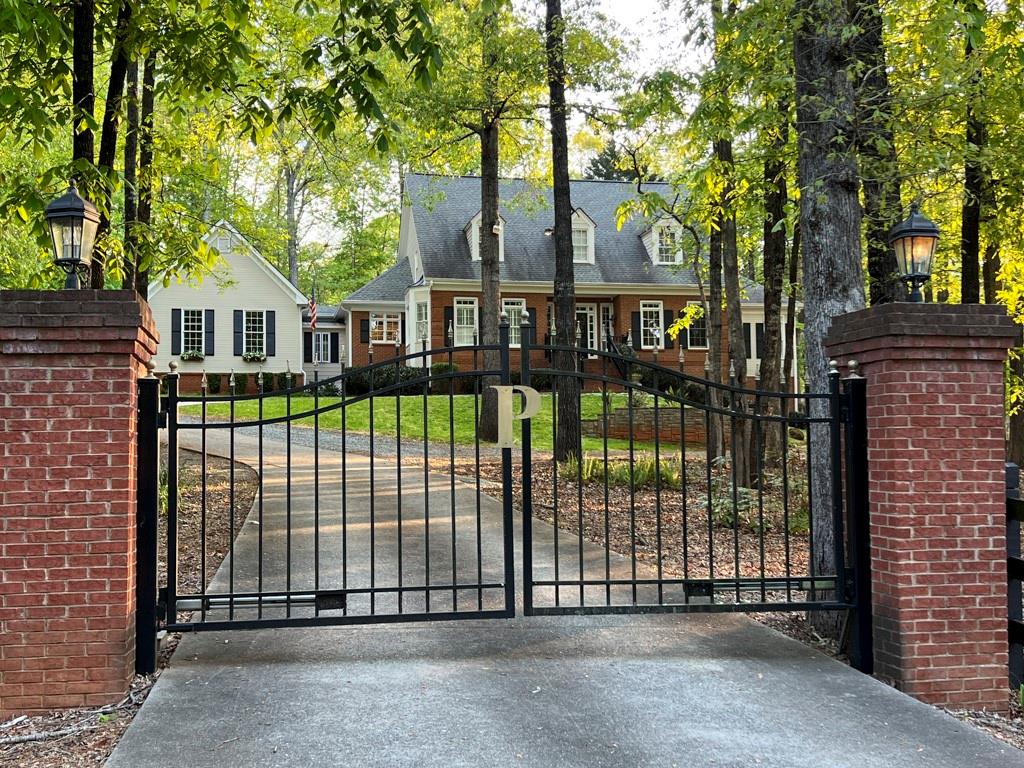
[73, 221]
[914, 241]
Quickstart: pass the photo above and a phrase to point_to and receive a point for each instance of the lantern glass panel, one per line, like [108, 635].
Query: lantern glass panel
[66, 232]
[923, 250]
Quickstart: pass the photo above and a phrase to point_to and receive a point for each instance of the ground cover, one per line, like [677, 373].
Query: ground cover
[447, 418]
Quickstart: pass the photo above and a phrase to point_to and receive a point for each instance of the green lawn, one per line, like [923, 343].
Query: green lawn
[388, 409]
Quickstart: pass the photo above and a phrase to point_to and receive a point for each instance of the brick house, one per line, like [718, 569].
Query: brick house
[630, 281]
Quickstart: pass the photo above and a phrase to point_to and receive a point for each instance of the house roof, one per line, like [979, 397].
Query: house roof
[326, 313]
[442, 206]
[388, 286]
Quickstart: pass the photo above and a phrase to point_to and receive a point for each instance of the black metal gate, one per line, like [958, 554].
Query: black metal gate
[372, 498]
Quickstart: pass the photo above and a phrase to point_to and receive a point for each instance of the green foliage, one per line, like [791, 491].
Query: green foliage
[361, 381]
[213, 383]
[241, 381]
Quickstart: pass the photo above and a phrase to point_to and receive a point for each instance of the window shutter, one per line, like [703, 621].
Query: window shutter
[449, 319]
[175, 331]
[307, 347]
[364, 330]
[669, 318]
[239, 333]
[637, 338]
[271, 329]
[759, 339]
[684, 335]
[746, 338]
[208, 332]
[533, 324]
[335, 347]
[401, 321]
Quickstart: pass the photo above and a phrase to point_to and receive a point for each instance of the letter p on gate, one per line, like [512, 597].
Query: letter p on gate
[506, 409]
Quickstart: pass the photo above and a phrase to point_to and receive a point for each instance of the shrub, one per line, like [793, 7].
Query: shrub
[267, 381]
[241, 383]
[282, 381]
[362, 380]
[213, 383]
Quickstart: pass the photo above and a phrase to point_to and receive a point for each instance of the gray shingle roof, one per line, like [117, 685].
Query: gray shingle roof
[443, 206]
[388, 286]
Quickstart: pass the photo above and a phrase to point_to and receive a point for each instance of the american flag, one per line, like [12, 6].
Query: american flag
[312, 309]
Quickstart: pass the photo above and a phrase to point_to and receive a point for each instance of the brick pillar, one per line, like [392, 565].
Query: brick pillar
[69, 361]
[936, 452]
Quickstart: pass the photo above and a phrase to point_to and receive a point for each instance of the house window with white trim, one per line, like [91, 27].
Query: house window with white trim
[698, 331]
[514, 309]
[581, 244]
[192, 331]
[255, 333]
[385, 328]
[669, 251]
[422, 322]
[322, 347]
[465, 322]
[651, 330]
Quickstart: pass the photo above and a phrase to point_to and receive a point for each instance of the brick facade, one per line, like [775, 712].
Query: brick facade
[69, 362]
[642, 425]
[937, 499]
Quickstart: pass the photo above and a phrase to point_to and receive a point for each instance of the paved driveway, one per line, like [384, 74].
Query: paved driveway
[583, 692]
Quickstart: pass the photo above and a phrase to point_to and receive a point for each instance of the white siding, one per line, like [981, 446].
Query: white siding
[240, 283]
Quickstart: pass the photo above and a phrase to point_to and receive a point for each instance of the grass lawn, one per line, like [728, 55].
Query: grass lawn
[388, 409]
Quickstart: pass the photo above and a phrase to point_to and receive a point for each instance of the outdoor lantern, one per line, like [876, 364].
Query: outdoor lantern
[914, 242]
[73, 221]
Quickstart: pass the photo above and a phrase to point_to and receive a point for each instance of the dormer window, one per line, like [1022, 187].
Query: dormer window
[473, 237]
[582, 237]
[669, 247]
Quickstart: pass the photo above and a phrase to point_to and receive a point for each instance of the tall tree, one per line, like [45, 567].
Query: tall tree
[567, 439]
[830, 221]
[876, 147]
[974, 171]
[131, 180]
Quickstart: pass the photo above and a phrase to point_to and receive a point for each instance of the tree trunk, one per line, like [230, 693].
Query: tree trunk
[990, 273]
[291, 181]
[131, 199]
[567, 441]
[146, 175]
[791, 294]
[876, 148]
[974, 172]
[108, 138]
[82, 91]
[713, 365]
[830, 218]
[490, 270]
[1015, 444]
[776, 195]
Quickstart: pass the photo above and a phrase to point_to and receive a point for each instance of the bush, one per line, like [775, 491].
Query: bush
[328, 390]
[282, 381]
[241, 383]
[267, 381]
[361, 381]
[213, 383]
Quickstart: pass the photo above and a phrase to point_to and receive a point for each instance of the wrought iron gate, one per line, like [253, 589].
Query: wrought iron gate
[660, 516]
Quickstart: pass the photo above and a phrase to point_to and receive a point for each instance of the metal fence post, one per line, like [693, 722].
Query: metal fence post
[506, 478]
[862, 653]
[147, 510]
[1014, 512]
[526, 331]
[171, 407]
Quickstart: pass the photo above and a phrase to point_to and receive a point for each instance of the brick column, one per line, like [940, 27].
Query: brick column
[936, 452]
[69, 362]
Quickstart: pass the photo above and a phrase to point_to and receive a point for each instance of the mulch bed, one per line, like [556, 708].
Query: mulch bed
[84, 738]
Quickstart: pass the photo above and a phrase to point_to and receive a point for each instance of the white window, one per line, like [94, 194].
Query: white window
[473, 236]
[514, 309]
[581, 244]
[223, 243]
[465, 322]
[385, 328]
[698, 331]
[192, 328]
[607, 325]
[669, 251]
[586, 326]
[254, 333]
[651, 330]
[322, 347]
[422, 321]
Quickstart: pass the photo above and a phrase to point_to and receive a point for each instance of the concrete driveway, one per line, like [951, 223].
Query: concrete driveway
[628, 691]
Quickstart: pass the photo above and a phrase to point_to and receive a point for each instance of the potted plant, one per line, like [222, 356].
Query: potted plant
[193, 355]
[254, 357]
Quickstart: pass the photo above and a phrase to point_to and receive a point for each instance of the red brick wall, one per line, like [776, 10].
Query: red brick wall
[361, 351]
[69, 362]
[641, 425]
[937, 495]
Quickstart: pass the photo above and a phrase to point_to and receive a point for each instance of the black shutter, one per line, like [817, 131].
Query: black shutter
[669, 318]
[759, 338]
[239, 333]
[208, 333]
[271, 327]
[364, 330]
[335, 347]
[401, 319]
[449, 319]
[175, 331]
[746, 338]
[637, 338]
[533, 323]
[307, 347]
[684, 335]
